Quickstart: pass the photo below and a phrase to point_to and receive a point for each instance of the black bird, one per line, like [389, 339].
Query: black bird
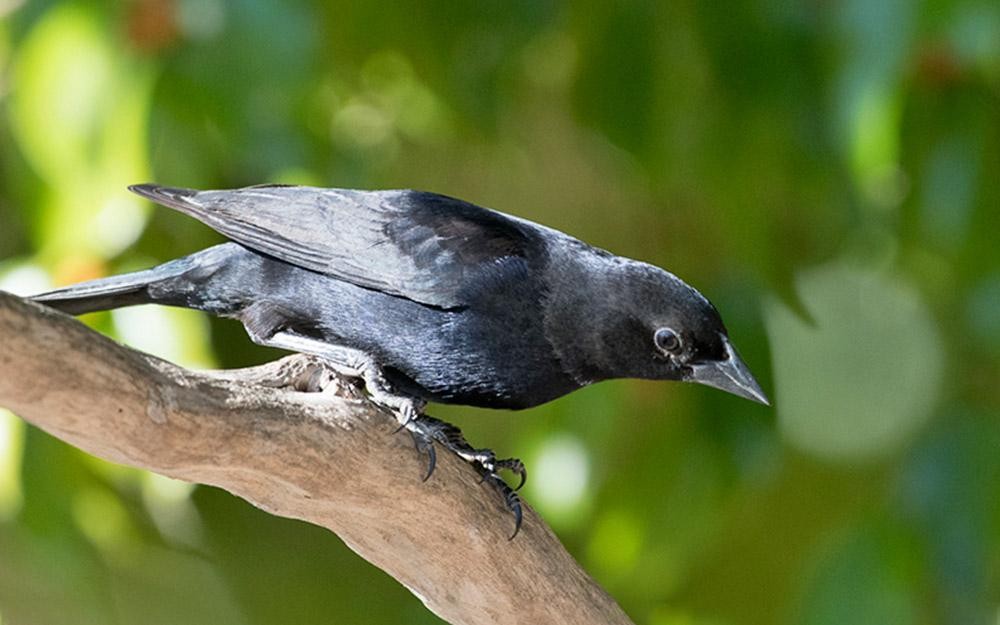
[429, 298]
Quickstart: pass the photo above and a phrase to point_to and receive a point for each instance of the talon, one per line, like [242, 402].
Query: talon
[431, 461]
[425, 430]
[425, 445]
[515, 466]
[407, 414]
[514, 504]
[511, 499]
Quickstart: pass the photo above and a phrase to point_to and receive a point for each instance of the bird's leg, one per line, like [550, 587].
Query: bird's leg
[351, 363]
[408, 411]
[426, 429]
[452, 438]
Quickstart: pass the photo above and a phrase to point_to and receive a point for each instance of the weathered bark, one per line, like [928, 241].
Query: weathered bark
[330, 458]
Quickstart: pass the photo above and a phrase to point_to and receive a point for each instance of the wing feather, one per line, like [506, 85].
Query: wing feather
[429, 248]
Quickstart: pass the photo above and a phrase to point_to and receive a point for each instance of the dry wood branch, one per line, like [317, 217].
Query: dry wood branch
[328, 458]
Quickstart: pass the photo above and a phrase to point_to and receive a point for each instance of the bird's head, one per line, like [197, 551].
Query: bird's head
[663, 329]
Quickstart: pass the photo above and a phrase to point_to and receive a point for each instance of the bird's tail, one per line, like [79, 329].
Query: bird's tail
[157, 285]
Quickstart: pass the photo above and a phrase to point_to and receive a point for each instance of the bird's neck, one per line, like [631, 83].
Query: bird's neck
[579, 313]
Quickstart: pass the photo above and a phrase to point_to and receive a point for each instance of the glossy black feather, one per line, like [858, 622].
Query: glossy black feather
[422, 246]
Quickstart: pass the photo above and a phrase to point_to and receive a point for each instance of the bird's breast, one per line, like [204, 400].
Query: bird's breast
[494, 355]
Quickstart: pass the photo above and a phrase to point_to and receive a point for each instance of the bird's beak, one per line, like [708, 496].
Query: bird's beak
[730, 375]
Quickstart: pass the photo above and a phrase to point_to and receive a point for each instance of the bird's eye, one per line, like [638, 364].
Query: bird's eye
[667, 340]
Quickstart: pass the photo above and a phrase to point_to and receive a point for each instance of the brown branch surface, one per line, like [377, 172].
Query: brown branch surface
[329, 458]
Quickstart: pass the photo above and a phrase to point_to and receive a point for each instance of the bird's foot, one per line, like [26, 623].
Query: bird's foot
[312, 374]
[406, 409]
[425, 430]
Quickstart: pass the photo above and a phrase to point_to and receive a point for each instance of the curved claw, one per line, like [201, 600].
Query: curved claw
[431, 461]
[405, 423]
[514, 505]
[515, 466]
[510, 498]
[423, 444]
[427, 430]
[407, 413]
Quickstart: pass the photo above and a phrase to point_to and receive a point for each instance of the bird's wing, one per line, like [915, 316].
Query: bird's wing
[429, 248]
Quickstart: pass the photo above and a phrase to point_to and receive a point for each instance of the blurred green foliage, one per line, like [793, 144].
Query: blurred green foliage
[828, 173]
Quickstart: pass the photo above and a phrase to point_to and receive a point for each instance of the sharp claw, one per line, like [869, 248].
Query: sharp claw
[424, 445]
[431, 460]
[515, 466]
[410, 418]
[510, 498]
[517, 521]
[514, 505]
[425, 430]
[403, 424]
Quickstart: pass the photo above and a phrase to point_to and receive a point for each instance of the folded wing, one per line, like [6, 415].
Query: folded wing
[429, 248]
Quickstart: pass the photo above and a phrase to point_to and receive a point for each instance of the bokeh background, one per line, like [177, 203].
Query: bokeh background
[828, 173]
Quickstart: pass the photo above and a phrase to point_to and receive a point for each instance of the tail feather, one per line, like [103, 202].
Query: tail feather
[129, 289]
[92, 297]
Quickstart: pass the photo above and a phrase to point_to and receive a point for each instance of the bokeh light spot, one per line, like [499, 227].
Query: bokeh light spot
[560, 475]
[23, 278]
[169, 504]
[64, 54]
[865, 377]
[875, 147]
[118, 223]
[86, 143]
[361, 125]
[616, 543]
[177, 335]
[202, 19]
[104, 521]
[11, 447]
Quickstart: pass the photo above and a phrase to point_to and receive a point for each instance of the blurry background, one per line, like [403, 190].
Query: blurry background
[828, 173]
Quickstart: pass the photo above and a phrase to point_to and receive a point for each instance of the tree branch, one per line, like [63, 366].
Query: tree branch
[329, 458]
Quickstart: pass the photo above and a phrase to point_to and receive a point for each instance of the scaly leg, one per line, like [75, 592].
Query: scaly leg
[408, 411]
[425, 430]
[352, 363]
